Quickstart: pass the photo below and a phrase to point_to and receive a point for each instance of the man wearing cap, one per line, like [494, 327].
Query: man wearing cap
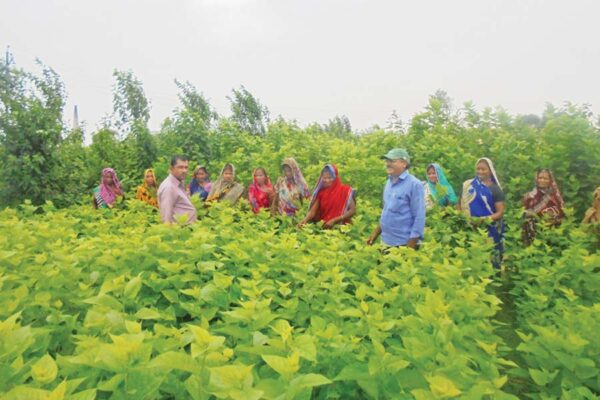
[403, 216]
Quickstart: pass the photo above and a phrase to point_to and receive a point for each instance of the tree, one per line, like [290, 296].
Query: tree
[188, 131]
[394, 123]
[438, 115]
[338, 126]
[247, 112]
[30, 131]
[129, 101]
[131, 113]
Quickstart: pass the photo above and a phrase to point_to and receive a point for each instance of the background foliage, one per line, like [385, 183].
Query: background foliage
[44, 160]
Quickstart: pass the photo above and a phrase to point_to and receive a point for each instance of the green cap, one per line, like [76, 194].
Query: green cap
[397, 154]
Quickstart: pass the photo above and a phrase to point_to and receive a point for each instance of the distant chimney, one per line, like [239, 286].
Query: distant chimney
[75, 118]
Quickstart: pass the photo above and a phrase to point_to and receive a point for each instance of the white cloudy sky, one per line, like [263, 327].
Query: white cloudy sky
[312, 59]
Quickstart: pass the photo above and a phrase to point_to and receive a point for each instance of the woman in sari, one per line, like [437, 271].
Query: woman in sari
[438, 190]
[225, 187]
[200, 184]
[290, 190]
[544, 202]
[482, 198]
[146, 192]
[109, 190]
[592, 215]
[260, 192]
[332, 202]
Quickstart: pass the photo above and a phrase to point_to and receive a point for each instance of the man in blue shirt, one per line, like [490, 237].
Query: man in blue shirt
[403, 216]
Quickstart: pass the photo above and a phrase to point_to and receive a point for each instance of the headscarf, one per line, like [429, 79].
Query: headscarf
[110, 192]
[147, 193]
[477, 201]
[545, 201]
[540, 202]
[291, 191]
[334, 200]
[201, 189]
[259, 198]
[443, 199]
[222, 190]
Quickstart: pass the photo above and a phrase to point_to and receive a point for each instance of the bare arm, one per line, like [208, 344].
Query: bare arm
[497, 216]
[312, 213]
[344, 217]
[374, 235]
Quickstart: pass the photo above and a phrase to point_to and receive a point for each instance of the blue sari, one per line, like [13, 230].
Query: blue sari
[479, 202]
[196, 188]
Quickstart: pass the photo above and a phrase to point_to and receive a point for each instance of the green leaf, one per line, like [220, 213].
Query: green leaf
[133, 287]
[147, 313]
[542, 377]
[309, 381]
[442, 387]
[44, 370]
[283, 365]
[175, 360]
[305, 346]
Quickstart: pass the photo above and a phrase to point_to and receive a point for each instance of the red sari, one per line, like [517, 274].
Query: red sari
[334, 200]
[257, 197]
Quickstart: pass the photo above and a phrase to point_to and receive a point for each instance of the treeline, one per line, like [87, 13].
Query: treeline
[43, 160]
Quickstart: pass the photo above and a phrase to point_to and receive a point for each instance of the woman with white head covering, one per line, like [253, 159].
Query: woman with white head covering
[483, 198]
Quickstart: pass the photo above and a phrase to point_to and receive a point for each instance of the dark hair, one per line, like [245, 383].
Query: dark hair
[546, 170]
[177, 157]
[261, 169]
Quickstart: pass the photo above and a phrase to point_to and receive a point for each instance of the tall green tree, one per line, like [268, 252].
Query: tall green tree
[188, 131]
[247, 112]
[339, 126]
[131, 115]
[31, 130]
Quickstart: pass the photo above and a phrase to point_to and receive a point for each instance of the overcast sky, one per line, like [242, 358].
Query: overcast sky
[311, 60]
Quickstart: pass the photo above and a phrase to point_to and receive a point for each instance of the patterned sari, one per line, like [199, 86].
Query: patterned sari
[291, 191]
[542, 203]
[148, 194]
[229, 191]
[592, 215]
[201, 189]
[105, 194]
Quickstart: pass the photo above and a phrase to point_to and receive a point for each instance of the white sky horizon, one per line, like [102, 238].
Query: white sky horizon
[312, 60]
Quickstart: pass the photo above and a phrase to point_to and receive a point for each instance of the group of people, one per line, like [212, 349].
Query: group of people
[405, 197]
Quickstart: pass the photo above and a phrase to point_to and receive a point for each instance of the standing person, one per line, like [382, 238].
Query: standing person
[200, 184]
[438, 190]
[544, 201]
[172, 197]
[483, 198]
[592, 215]
[225, 187]
[290, 190]
[332, 202]
[109, 191]
[402, 221]
[147, 191]
[260, 192]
